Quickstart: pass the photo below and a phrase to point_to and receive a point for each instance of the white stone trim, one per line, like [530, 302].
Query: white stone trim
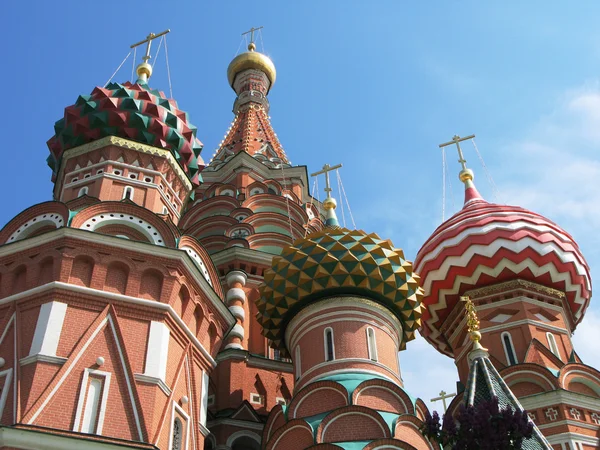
[83, 391]
[234, 345]
[114, 296]
[157, 350]
[559, 396]
[569, 422]
[42, 358]
[297, 364]
[532, 379]
[198, 260]
[204, 398]
[48, 328]
[153, 380]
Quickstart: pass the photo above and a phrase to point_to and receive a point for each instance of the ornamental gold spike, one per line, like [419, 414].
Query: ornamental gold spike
[472, 322]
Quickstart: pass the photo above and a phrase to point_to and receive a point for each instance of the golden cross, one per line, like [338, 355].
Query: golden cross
[251, 31]
[443, 396]
[148, 41]
[456, 139]
[326, 169]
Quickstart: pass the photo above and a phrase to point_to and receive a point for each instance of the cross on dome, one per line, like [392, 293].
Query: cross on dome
[329, 204]
[466, 175]
[144, 70]
[251, 45]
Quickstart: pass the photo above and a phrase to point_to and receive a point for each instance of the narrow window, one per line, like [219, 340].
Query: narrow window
[90, 415]
[509, 349]
[552, 344]
[372, 344]
[128, 193]
[83, 191]
[298, 363]
[329, 349]
[177, 427]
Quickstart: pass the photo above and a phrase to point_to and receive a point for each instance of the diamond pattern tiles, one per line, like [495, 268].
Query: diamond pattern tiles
[333, 262]
[130, 111]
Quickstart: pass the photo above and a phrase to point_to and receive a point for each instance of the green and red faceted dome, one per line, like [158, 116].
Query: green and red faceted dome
[130, 111]
[486, 243]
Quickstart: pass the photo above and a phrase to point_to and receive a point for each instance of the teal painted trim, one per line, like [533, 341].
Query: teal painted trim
[356, 445]
[71, 215]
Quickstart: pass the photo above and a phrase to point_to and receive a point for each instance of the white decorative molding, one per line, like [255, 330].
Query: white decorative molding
[153, 380]
[236, 294]
[204, 398]
[59, 360]
[157, 350]
[48, 328]
[237, 331]
[238, 312]
[186, 434]
[551, 414]
[236, 276]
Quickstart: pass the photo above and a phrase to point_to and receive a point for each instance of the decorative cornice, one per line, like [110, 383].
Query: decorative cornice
[127, 144]
[153, 380]
[519, 284]
[42, 358]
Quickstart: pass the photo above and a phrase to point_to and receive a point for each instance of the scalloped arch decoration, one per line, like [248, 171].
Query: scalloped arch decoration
[198, 260]
[34, 224]
[125, 219]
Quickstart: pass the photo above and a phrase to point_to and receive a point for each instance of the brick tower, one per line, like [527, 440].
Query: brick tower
[110, 316]
[252, 204]
[531, 286]
[343, 303]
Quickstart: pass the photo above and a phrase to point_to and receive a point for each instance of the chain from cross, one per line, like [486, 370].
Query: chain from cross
[251, 32]
[456, 139]
[148, 41]
[443, 396]
[326, 169]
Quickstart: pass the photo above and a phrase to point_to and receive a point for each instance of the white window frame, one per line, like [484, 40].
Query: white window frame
[186, 424]
[332, 344]
[257, 399]
[372, 344]
[204, 398]
[552, 345]
[128, 188]
[512, 348]
[83, 393]
[83, 191]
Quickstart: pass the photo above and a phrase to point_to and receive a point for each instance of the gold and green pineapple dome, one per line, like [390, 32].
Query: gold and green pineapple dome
[338, 262]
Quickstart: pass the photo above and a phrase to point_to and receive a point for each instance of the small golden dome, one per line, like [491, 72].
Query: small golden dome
[251, 60]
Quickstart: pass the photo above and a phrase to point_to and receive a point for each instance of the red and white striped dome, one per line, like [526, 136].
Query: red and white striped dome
[486, 243]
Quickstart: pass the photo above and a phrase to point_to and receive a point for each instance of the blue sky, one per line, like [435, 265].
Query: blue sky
[373, 85]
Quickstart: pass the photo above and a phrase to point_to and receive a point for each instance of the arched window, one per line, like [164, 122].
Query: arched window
[298, 363]
[177, 434]
[83, 191]
[128, 193]
[329, 347]
[371, 344]
[552, 344]
[509, 349]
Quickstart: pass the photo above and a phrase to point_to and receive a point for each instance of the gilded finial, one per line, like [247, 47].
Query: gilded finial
[472, 323]
[251, 45]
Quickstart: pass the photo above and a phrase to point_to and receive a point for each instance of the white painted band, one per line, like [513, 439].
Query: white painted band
[236, 294]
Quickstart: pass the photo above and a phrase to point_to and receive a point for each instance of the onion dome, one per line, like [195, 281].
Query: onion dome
[338, 262]
[486, 243]
[251, 60]
[130, 111]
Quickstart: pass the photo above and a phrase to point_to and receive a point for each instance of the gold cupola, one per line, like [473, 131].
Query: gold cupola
[251, 60]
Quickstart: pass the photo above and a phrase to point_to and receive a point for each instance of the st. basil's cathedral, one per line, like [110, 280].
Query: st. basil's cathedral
[160, 302]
